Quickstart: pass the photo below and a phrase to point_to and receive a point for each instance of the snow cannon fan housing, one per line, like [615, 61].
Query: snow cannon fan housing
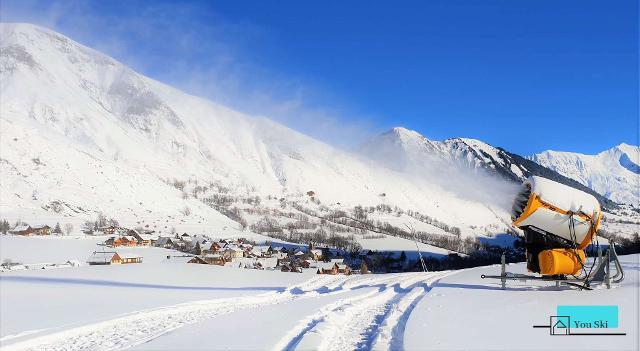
[559, 222]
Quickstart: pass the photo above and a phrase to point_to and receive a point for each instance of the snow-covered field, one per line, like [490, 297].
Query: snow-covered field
[52, 249]
[168, 305]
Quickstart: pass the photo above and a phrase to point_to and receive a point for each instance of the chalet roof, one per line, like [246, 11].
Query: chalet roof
[316, 251]
[163, 240]
[233, 248]
[101, 257]
[148, 237]
[39, 226]
[299, 253]
[21, 228]
[341, 265]
[130, 238]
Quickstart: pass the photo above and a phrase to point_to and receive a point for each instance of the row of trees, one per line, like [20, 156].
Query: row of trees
[625, 245]
[90, 227]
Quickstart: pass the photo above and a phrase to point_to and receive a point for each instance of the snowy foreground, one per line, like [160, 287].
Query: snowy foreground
[169, 305]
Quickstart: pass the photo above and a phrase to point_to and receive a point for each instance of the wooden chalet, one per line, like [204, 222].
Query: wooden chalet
[164, 242]
[198, 260]
[104, 258]
[41, 229]
[23, 229]
[128, 241]
[315, 254]
[215, 246]
[343, 269]
[231, 253]
[335, 268]
[291, 268]
[332, 270]
[108, 230]
[215, 259]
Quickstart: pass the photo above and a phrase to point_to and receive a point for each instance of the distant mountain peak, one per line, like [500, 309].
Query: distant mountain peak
[612, 172]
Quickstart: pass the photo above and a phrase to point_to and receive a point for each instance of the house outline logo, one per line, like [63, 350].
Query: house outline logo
[588, 318]
[560, 325]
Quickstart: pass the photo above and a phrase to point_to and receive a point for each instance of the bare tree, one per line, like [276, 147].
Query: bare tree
[68, 228]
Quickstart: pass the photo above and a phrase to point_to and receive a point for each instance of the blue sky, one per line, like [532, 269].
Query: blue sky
[524, 75]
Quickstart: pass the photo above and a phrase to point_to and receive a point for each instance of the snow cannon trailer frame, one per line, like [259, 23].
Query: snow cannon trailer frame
[559, 223]
[601, 273]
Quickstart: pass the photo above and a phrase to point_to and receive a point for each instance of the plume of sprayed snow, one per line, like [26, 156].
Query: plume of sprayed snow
[435, 168]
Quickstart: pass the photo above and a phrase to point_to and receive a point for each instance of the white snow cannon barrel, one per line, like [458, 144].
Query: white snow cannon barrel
[559, 223]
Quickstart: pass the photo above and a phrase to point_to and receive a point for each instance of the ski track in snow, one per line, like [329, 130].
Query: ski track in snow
[374, 318]
[371, 320]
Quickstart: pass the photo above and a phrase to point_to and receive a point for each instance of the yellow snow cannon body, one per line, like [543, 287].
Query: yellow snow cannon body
[559, 222]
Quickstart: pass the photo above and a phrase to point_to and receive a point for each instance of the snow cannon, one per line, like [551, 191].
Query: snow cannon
[559, 222]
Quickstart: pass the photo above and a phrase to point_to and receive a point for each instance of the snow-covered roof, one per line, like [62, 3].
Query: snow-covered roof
[101, 257]
[316, 251]
[148, 236]
[39, 226]
[21, 228]
[163, 240]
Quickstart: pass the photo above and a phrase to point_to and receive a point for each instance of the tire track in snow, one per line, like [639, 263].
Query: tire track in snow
[359, 322]
[139, 327]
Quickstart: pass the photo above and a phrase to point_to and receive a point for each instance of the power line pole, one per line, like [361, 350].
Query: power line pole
[413, 235]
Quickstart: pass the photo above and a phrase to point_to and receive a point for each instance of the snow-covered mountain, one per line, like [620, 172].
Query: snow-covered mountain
[403, 149]
[614, 173]
[82, 133]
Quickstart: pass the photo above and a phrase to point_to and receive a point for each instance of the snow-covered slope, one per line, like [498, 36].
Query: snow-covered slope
[614, 173]
[82, 133]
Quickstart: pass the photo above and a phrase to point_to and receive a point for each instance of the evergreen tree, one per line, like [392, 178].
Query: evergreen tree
[4, 226]
[57, 229]
[197, 250]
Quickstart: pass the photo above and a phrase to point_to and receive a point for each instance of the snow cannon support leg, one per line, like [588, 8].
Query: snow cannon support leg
[503, 272]
[607, 276]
